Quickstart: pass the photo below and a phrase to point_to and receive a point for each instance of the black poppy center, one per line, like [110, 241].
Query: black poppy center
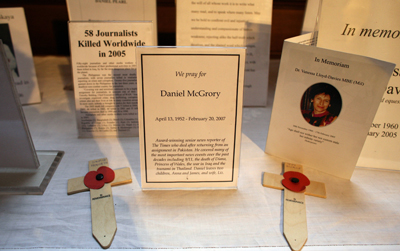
[294, 180]
[99, 176]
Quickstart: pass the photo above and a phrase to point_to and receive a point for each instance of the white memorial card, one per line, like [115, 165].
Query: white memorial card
[15, 37]
[104, 75]
[370, 28]
[324, 104]
[16, 146]
[231, 23]
[190, 113]
[114, 10]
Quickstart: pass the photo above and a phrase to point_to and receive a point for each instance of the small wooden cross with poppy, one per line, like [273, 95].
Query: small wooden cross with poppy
[295, 185]
[99, 180]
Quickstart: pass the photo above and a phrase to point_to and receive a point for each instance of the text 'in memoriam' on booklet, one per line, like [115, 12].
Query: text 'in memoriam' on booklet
[325, 101]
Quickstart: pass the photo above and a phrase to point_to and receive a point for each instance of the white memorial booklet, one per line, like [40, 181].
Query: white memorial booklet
[231, 23]
[15, 37]
[190, 113]
[324, 104]
[104, 75]
[16, 146]
[114, 10]
[370, 28]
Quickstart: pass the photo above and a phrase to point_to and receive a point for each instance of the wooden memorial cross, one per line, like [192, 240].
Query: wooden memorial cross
[104, 224]
[295, 187]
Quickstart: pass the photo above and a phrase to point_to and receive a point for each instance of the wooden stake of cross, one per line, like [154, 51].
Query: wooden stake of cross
[104, 224]
[294, 205]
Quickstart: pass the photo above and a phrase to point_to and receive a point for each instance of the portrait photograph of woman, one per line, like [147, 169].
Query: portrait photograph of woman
[321, 104]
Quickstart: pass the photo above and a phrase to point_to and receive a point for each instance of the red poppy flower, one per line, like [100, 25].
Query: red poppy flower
[295, 181]
[97, 179]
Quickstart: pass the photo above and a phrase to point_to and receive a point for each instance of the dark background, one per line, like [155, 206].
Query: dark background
[48, 29]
